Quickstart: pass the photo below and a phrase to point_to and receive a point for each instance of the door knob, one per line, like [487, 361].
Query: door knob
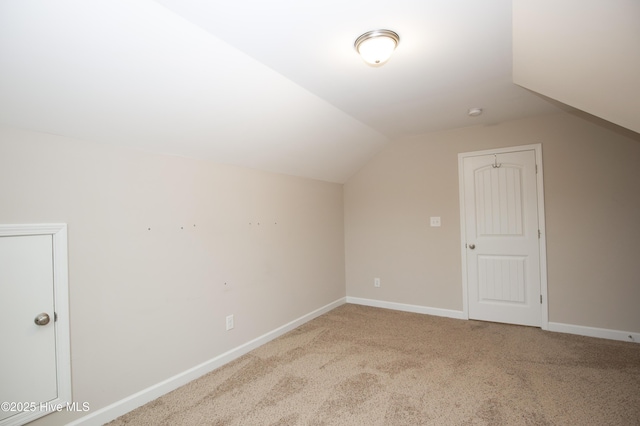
[42, 319]
[472, 246]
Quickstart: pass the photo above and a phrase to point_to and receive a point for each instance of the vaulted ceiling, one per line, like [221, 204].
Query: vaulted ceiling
[276, 85]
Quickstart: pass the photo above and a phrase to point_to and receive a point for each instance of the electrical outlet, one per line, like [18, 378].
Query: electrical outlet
[435, 221]
[229, 322]
[376, 282]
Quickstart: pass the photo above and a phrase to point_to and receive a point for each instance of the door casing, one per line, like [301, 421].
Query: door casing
[537, 148]
[61, 302]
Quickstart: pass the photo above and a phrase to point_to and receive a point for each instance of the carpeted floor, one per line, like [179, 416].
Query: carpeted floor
[359, 365]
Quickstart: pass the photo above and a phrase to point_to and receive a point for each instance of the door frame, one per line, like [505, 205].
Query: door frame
[58, 232]
[542, 242]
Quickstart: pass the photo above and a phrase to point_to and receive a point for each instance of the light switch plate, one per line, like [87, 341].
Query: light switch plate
[435, 220]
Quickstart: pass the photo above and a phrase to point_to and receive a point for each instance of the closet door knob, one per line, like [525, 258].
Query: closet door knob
[42, 319]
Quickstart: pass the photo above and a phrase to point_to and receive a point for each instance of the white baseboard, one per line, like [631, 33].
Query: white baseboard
[603, 333]
[138, 399]
[407, 308]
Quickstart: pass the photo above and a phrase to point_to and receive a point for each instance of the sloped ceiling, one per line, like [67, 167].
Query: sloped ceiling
[275, 86]
[593, 64]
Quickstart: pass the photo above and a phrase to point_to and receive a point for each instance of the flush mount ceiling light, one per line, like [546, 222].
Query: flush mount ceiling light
[376, 46]
[474, 112]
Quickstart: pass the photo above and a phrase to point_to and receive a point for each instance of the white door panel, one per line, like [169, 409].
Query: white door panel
[502, 279]
[35, 358]
[501, 237]
[26, 290]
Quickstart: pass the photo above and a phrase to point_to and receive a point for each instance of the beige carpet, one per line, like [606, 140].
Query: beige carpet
[359, 365]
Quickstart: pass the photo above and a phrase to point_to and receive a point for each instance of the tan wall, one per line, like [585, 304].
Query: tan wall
[149, 304]
[592, 197]
[583, 53]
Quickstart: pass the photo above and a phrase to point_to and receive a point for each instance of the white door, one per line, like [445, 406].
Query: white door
[501, 237]
[30, 378]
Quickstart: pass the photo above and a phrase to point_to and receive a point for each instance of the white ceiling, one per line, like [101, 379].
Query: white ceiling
[272, 85]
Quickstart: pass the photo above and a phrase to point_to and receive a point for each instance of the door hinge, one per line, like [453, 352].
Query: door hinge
[541, 299]
[539, 233]
[536, 169]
